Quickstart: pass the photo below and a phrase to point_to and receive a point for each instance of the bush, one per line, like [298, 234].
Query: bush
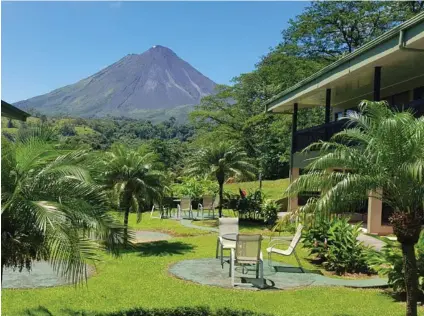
[334, 243]
[270, 212]
[251, 205]
[195, 188]
[182, 311]
[389, 262]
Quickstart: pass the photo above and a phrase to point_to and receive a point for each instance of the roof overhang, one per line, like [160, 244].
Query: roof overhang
[13, 112]
[400, 53]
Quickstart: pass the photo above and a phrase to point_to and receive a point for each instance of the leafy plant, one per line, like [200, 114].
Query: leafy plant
[345, 253]
[50, 208]
[194, 187]
[315, 238]
[334, 243]
[389, 262]
[250, 206]
[270, 211]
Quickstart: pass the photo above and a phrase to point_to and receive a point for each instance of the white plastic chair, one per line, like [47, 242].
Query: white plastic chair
[247, 252]
[226, 226]
[185, 206]
[294, 241]
[208, 204]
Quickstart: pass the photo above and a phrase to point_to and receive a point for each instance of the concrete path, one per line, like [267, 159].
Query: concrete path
[189, 223]
[372, 242]
[208, 271]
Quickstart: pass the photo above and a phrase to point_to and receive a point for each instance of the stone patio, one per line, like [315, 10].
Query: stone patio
[278, 277]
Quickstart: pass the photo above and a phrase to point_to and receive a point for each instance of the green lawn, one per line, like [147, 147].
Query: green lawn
[273, 189]
[140, 279]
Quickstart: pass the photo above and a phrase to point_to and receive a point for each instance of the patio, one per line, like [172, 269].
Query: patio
[208, 271]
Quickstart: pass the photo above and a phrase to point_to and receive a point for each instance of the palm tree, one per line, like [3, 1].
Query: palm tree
[133, 177]
[384, 155]
[221, 160]
[51, 210]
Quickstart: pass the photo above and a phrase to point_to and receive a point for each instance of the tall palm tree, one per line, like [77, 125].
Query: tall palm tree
[133, 177]
[384, 154]
[221, 160]
[51, 210]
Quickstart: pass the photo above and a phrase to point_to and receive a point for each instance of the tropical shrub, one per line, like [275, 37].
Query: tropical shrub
[194, 187]
[334, 243]
[250, 205]
[50, 208]
[184, 311]
[270, 211]
[389, 262]
[315, 239]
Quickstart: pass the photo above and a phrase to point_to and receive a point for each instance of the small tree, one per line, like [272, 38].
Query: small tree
[51, 210]
[384, 156]
[133, 178]
[221, 160]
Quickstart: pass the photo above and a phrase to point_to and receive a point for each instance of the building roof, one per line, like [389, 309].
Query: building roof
[13, 112]
[367, 55]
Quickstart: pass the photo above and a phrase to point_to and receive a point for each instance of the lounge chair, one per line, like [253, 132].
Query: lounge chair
[226, 226]
[185, 206]
[247, 252]
[208, 204]
[294, 241]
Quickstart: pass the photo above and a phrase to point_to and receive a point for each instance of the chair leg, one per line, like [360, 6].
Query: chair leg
[298, 261]
[217, 247]
[261, 273]
[232, 262]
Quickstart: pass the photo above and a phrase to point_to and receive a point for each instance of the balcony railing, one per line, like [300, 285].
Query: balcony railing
[305, 137]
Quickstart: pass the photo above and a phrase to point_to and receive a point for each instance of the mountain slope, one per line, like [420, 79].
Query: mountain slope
[138, 83]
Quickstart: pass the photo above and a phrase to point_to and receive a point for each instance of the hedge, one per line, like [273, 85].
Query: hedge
[182, 311]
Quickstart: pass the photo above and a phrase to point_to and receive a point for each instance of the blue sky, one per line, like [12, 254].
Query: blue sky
[47, 45]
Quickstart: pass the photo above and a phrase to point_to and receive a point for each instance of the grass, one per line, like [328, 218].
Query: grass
[140, 279]
[273, 189]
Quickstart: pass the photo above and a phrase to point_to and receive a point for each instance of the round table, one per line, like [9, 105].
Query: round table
[232, 236]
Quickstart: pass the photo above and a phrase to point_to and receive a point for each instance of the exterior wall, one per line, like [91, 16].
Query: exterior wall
[375, 210]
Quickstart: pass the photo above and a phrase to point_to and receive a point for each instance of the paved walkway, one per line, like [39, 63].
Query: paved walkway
[372, 242]
[41, 275]
[278, 276]
[190, 223]
[148, 236]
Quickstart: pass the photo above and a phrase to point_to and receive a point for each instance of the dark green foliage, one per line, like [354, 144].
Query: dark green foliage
[183, 311]
[67, 129]
[389, 262]
[334, 243]
[250, 206]
[270, 212]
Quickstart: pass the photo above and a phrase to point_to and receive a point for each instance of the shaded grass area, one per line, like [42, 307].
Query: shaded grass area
[139, 278]
[273, 189]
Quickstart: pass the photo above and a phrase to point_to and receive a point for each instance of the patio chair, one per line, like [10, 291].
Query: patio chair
[185, 206]
[208, 204]
[226, 226]
[247, 252]
[163, 211]
[294, 241]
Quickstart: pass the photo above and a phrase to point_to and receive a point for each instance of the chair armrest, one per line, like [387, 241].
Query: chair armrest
[200, 206]
[274, 243]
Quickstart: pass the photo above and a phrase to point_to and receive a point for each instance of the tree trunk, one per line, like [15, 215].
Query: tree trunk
[221, 197]
[407, 228]
[411, 278]
[126, 215]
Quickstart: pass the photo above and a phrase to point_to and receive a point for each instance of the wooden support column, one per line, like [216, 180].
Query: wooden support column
[327, 111]
[294, 130]
[293, 201]
[377, 83]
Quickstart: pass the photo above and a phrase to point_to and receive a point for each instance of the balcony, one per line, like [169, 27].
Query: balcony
[305, 137]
